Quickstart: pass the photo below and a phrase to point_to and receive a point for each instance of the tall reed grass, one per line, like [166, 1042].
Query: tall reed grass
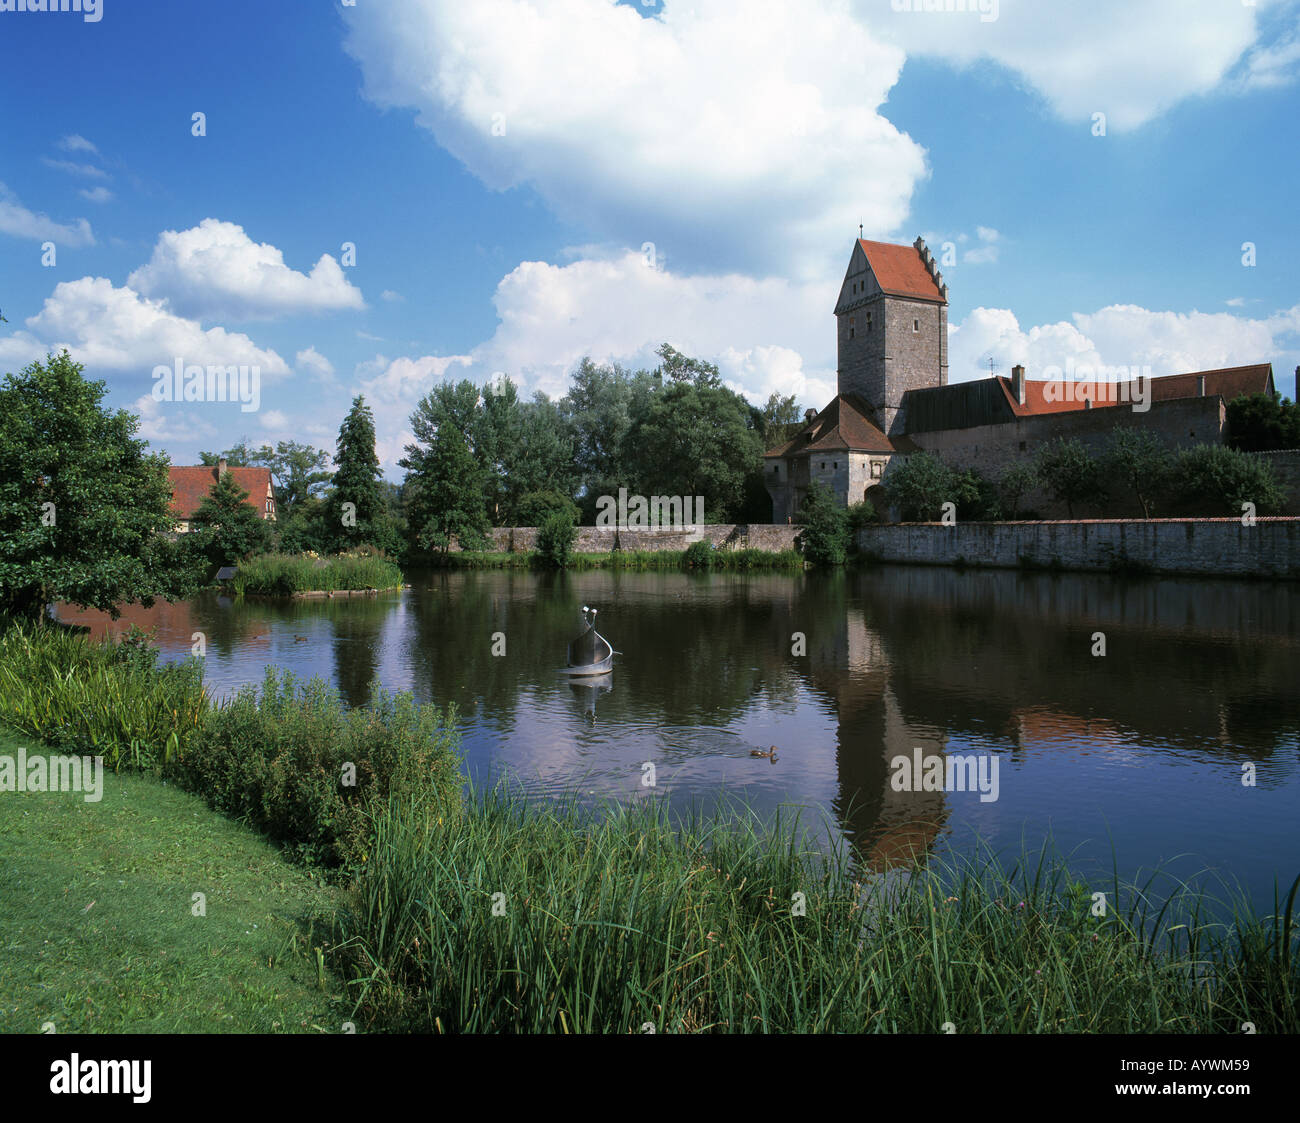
[286, 574]
[104, 699]
[502, 916]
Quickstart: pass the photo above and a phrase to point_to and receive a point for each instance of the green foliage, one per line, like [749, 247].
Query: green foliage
[677, 367]
[84, 508]
[284, 575]
[1070, 473]
[1016, 480]
[1140, 463]
[285, 761]
[241, 456]
[300, 471]
[445, 483]
[1262, 422]
[1215, 480]
[694, 438]
[633, 916]
[826, 527]
[779, 419]
[226, 528]
[533, 508]
[860, 515]
[356, 481]
[105, 699]
[555, 539]
[305, 528]
[699, 555]
[922, 484]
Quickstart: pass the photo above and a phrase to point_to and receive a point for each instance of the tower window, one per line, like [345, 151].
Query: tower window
[868, 321]
[916, 325]
[852, 331]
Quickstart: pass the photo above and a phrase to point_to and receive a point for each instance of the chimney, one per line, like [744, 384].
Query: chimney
[1200, 385]
[809, 415]
[221, 467]
[1018, 383]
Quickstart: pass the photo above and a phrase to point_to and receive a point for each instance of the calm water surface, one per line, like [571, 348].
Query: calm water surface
[1138, 753]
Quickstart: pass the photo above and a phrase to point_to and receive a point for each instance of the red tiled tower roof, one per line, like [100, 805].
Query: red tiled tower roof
[900, 271]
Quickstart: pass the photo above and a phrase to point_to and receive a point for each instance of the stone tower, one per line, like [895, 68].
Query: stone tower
[892, 322]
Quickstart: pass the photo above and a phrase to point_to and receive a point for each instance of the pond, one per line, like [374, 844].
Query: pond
[1136, 755]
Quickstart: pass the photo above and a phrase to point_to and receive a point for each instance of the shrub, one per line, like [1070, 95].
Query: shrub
[299, 766]
[1216, 480]
[698, 555]
[555, 539]
[534, 507]
[1070, 473]
[826, 527]
[1259, 422]
[1141, 464]
[923, 483]
[1016, 481]
[104, 699]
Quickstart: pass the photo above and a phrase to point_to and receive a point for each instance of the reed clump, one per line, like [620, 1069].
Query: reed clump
[499, 915]
[105, 699]
[280, 575]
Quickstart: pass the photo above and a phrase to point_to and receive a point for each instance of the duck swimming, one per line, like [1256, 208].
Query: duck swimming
[769, 755]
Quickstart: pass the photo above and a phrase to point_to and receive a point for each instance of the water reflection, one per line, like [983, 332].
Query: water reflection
[1140, 750]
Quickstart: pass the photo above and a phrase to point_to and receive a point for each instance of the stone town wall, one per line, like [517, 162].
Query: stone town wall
[1210, 547]
[600, 539]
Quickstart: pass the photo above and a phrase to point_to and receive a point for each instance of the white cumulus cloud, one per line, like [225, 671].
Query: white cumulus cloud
[1128, 60]
[215, 271]
[116, 330]
[740, 131]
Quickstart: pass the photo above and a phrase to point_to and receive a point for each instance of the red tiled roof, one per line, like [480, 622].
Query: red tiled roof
[843, 426]
[191, 485]
[899, 270]
[1227, 383]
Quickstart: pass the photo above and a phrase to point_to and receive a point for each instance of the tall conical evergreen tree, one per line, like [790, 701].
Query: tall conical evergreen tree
[357, 480]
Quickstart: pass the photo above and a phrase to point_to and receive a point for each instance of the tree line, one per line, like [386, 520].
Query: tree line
[485, 456]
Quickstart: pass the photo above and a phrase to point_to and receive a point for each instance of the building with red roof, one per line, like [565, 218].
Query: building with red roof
[190, 485]
[894, 396]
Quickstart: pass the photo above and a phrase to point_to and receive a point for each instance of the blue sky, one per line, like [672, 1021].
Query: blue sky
[528, 182]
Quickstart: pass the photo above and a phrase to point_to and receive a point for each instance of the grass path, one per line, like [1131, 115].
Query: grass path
[97, 932]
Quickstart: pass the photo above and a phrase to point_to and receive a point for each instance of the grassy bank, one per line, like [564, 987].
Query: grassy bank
[99, 930]
[744, 561]
[502, 916]
[491, 914]
[282, 575]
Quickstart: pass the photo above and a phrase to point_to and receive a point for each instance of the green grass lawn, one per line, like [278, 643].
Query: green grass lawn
[97, 932]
